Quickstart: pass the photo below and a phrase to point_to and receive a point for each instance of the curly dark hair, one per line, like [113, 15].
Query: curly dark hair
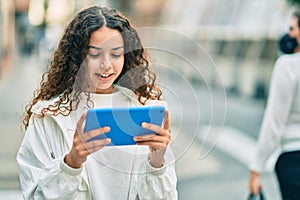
[59, 80]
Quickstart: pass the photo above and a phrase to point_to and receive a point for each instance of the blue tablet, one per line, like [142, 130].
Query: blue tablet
[124, 123]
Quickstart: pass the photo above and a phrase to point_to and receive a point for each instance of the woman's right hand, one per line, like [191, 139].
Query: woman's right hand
[254, 182]
[81, 147]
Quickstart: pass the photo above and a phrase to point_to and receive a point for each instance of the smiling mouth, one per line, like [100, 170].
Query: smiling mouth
[104, 75]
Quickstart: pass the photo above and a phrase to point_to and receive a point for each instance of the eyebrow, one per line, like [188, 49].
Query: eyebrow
[99, 48]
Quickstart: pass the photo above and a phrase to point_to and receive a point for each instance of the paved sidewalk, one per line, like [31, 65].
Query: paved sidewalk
[10, 194]
[15, 91]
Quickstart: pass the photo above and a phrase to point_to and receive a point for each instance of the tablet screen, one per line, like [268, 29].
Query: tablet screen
[124, 123]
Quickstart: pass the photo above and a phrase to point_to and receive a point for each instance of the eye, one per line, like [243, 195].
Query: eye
[94, 55]
[117, 54]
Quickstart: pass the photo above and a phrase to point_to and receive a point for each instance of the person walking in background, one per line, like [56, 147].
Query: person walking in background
[281, 123]
[99, 62]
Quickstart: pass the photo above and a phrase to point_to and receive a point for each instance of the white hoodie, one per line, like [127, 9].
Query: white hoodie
[121, 172]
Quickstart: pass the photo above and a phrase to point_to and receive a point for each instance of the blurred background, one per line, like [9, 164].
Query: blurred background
[240, 41]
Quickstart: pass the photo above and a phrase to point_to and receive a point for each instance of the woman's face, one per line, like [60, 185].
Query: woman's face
[294, 28]
[105, 59]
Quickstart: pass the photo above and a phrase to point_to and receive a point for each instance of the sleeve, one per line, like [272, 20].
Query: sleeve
[42, 177]
[159, 183]
[279, 104]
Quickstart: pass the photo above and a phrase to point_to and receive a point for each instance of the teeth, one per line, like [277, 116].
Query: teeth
[104, 75]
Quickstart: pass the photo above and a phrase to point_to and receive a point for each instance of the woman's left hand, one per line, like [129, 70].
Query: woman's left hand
[158, 142]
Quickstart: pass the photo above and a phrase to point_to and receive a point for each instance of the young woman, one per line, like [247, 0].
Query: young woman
[281, 124]
[99, 62]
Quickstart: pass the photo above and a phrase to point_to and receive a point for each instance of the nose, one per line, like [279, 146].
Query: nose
[106, 61]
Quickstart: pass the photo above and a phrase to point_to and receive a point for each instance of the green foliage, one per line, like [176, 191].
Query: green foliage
[294, 2]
